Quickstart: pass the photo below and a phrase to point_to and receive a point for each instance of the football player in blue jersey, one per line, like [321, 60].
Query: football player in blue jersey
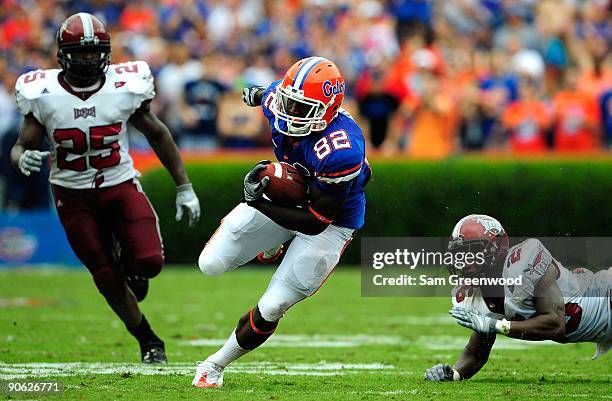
[311, 131]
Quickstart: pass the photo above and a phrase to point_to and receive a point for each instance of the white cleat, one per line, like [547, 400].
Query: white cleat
[208, 374]
[601, 349]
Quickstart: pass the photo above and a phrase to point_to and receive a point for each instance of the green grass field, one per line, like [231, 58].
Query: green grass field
[334, 346]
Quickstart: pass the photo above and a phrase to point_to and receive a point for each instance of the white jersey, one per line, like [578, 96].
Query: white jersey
[87, 130]
[586, 294]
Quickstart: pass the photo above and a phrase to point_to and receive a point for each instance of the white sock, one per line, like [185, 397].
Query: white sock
[229, 352]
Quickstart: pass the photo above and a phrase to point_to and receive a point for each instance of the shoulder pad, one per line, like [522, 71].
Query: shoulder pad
[137, 77]
[343, 156]
[31, 86]
[530, 258]
[345, 113]
[269, 96]
[538, 257]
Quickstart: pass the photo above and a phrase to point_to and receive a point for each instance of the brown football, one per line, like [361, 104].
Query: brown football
[287, 185]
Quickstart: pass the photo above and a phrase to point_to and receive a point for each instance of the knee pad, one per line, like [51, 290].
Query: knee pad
[110, 284]
[148, 266]
[210, 264]
[273, 308]
[277, 299]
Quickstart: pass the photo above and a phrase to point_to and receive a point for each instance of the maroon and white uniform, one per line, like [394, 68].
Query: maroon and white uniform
[87, 130]
[586, 294]
[97, 194]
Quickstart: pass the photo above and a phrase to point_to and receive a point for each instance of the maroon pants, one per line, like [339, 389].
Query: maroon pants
[94, 218]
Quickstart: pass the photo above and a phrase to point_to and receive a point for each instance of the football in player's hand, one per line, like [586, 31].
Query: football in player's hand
[287, 186]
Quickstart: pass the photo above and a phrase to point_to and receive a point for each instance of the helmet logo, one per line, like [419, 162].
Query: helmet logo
[330, 89]
[90, 40]
[490, 225]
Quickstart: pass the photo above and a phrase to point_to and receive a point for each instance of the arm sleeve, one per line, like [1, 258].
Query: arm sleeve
[537, 261]
[340, 167]
[267, 99]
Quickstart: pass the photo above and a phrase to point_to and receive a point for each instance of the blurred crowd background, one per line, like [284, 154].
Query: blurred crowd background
[425, 78]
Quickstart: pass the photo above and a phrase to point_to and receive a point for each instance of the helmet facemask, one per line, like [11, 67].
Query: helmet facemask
[84, 65]
[301, 115]
[490, 251]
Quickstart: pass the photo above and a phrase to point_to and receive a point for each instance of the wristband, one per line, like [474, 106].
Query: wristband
[502, 326]
[184, 187]
[258, 97]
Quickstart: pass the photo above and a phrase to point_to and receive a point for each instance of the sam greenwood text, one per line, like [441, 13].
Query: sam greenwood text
[454, 280]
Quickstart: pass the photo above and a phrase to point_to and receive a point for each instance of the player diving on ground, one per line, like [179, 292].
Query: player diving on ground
[552, 303]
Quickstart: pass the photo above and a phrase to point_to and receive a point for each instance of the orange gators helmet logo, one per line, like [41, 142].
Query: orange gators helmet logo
[309, 97]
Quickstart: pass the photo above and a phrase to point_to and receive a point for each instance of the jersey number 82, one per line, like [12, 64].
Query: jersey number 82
[337, 140]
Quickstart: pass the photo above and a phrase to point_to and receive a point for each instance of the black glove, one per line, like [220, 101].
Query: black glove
[253, 187]
[253, 96]
[303, 170]
[441, 373]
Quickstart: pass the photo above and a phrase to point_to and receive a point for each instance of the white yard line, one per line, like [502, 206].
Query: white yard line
[429, 320]
[25, 370]
[437, 342]
[459, 342]
[312, 341]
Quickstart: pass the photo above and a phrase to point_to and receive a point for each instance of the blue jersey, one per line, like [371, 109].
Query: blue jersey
[335, 159]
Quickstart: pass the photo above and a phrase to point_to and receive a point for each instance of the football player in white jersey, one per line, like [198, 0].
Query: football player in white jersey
[551, 302]
[86, 109]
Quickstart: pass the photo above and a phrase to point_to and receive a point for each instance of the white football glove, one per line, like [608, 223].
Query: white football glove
[30, 161]
[187, 198]
[442, 373]
[479, 322]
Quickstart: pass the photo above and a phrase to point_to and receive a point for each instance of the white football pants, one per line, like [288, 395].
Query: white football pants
[245, 232]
